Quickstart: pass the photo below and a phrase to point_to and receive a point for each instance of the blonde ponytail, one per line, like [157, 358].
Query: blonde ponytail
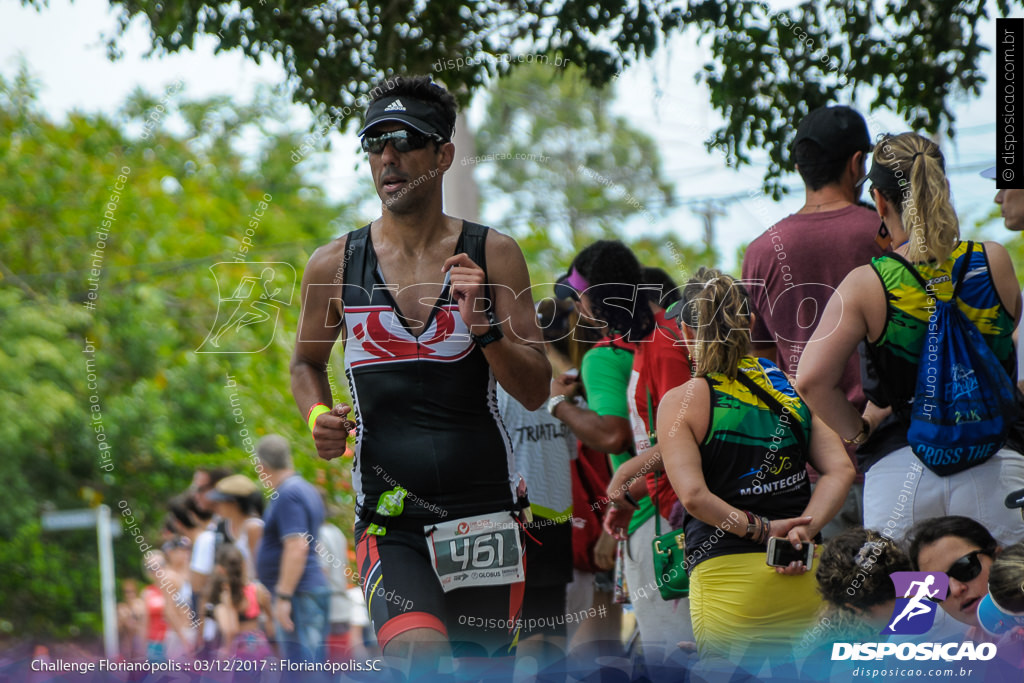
[718, 310]
[913, 178]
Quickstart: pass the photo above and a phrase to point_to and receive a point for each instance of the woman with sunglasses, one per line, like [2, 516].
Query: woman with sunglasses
[735, 442]
[963, 549]
[888, 304]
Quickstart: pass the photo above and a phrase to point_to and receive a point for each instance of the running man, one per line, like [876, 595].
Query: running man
[427, 305]
[915, 607]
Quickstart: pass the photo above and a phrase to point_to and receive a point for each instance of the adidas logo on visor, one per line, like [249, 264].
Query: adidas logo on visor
[395, 106]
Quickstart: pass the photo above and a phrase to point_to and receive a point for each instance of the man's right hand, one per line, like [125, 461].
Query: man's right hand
[330, 432]
[616, 522]
[604, 552]
[567, 384]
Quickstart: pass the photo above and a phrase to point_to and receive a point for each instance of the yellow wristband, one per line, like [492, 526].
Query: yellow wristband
[316, 411]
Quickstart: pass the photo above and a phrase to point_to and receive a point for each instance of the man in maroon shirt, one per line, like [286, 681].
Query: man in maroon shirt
[793, 268]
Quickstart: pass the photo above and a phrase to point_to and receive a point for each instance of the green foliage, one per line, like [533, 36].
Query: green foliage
[565, 160]
[332, 51]
[104, 397]
[768, 68]
[43, 593]
[573, 173]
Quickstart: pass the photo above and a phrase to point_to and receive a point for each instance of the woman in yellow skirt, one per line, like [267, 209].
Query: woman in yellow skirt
[735, 441]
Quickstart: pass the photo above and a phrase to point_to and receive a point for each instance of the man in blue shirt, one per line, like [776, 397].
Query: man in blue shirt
[284, 563]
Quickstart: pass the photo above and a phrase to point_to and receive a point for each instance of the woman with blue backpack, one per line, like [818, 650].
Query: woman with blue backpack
[936, 315]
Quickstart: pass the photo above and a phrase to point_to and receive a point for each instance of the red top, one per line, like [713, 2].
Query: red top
[252, 609]
[155, 603]
[660, 364]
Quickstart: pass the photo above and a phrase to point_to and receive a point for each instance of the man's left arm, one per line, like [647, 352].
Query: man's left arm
[517, 359]
[293, 564]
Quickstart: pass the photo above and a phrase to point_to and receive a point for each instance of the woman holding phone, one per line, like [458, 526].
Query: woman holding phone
[735, 442]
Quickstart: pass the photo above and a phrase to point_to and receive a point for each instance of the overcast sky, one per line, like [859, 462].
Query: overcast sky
[63, 49]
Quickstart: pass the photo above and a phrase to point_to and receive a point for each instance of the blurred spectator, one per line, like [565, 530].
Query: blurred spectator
[181, 637]
[853, 577]
[347, 612]
[204, 480]
[1011, 203]
[1006, 579]
[543, 448]
[239, 603]
[890, 305]
[593, 557]
[238, 501]
[1011, 207]
[665, 292]
[603, 275]
[1002, 612]
[130, 616]
[189, 521]
[154, 622]
[285, 562]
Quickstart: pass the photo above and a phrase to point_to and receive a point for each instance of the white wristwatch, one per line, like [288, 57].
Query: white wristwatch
[554, 402]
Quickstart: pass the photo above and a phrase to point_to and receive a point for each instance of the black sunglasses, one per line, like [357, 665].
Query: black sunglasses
[402, 140]
[967, 567]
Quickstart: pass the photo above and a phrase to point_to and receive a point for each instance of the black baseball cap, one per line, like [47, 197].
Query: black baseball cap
[839, 130]
[410, 111]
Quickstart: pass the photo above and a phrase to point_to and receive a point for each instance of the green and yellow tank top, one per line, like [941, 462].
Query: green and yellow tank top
[751, 457]
[910, 291]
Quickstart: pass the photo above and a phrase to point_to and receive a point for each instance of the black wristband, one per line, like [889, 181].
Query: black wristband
[630, 499]
[492, 335]
[282, 596]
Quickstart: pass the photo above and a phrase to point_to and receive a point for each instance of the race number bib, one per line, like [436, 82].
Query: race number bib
[477, 551]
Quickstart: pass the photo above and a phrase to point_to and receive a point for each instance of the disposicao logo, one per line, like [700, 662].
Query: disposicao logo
[914, 614]
[922, 592]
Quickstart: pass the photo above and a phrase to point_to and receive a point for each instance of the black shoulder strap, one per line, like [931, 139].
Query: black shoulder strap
[474, 244]
[959, 279]
[355, 241]
[775, 405]
[474, 239]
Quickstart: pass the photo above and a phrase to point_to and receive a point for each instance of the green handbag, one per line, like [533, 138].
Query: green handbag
[669, 558]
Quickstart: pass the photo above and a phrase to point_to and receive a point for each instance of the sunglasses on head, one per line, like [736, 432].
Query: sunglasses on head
[563, 290]
[402, 140]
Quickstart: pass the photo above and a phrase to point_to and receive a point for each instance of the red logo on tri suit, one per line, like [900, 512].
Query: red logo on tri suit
[378, 336]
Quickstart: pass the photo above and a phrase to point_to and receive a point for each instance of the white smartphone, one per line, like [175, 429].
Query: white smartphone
[781, 552]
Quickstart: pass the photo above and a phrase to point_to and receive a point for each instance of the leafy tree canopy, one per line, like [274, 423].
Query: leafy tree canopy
[565, 161]
[768, 67]
[573, 173]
